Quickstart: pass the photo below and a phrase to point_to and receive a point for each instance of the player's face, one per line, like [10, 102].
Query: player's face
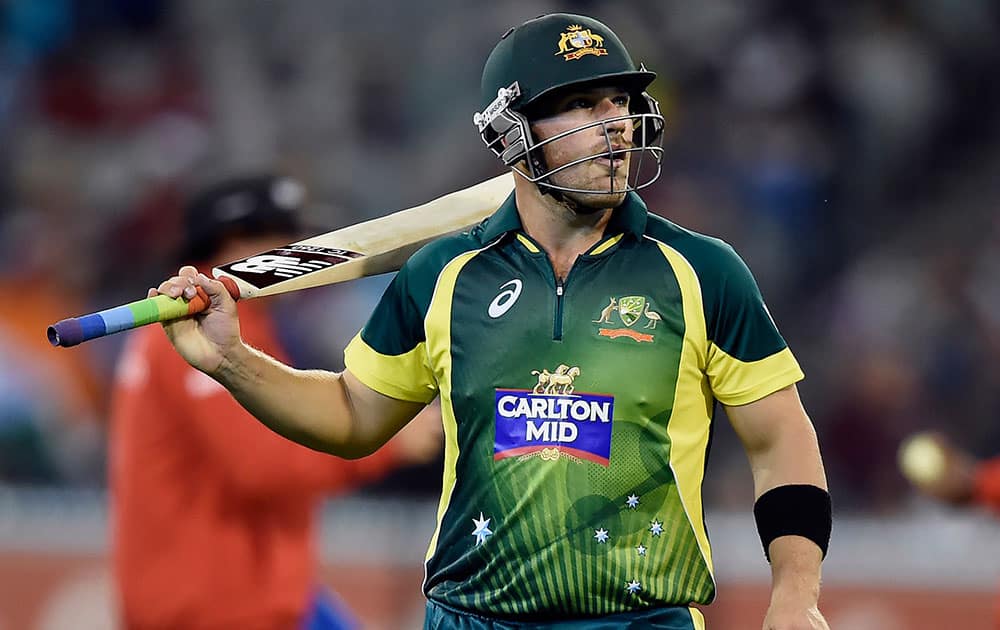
[579, 108]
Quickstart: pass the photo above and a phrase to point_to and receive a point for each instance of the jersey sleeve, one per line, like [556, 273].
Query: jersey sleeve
[389, 355]
[747, 356]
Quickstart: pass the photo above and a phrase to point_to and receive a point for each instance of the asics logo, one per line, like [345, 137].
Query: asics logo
[505, 299]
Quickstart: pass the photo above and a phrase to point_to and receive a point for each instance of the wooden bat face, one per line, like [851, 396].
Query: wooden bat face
[370, 248]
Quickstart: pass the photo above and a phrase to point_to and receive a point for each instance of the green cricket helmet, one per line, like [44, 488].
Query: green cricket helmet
[548, 54]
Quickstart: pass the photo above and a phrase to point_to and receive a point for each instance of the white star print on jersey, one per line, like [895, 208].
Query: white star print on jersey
[633, 587]
[632, 502]
[482, 531]
[656, 528]
[601, 535]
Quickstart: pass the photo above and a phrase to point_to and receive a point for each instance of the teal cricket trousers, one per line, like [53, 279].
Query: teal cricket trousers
[441, 617]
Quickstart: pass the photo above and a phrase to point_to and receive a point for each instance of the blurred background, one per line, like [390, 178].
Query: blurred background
[848, 150]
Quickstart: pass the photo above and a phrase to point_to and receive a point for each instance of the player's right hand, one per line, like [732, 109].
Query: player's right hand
[205, 339]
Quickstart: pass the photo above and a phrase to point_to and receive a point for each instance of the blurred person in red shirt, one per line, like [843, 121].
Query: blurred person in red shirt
[962, 480]
[214, 515]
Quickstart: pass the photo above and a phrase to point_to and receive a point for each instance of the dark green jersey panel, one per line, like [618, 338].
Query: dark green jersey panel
[735, 315]
[396, 326]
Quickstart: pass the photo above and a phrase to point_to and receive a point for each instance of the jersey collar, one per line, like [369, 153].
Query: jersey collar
[629, 218]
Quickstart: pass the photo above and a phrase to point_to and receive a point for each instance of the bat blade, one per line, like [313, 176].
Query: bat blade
[365, 249]
[370, 248]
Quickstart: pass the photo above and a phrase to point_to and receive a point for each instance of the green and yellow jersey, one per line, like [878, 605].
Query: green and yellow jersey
[578, 415]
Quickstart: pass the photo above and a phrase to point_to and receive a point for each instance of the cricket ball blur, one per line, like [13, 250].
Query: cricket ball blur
[921, 459]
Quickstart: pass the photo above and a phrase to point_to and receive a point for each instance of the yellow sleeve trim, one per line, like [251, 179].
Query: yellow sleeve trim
[403, 377]
[736, 382]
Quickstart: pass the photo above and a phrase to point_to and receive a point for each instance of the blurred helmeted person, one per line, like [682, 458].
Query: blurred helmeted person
[578, 344]
[215, 516]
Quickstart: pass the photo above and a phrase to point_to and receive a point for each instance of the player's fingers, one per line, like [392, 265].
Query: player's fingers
[216, 291]
[177, 286]
[190, 274]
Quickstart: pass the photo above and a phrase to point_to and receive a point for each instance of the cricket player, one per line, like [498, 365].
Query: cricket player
[578, 344]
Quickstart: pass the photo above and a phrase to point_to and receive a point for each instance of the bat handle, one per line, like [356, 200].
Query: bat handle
[161, 308]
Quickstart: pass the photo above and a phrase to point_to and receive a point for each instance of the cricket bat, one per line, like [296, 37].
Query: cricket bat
[365, 249]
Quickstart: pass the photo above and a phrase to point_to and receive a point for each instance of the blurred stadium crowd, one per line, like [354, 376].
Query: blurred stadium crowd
[848, 150]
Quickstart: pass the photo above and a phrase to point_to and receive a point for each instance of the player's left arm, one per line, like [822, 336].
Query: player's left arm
[790, 484]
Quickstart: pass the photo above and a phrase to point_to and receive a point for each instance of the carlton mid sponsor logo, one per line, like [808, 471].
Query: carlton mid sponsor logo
[552, 420]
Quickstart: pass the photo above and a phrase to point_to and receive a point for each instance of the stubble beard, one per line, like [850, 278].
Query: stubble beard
[590, 203]
[585, 203]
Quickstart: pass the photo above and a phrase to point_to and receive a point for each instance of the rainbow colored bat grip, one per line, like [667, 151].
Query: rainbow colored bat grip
[162, 308]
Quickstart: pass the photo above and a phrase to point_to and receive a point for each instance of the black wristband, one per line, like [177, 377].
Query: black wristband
[794, 510]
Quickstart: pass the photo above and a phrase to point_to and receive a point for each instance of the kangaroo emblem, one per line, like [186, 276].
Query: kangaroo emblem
[606, 312]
